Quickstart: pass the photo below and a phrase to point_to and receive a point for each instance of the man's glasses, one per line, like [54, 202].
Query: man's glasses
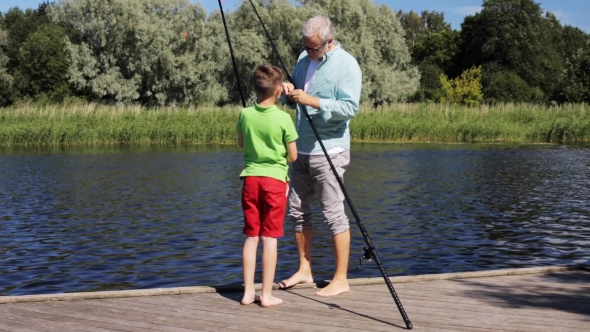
[311, 49]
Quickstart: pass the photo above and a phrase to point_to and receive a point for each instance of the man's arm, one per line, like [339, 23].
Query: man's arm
[348, 95]
[346, 102]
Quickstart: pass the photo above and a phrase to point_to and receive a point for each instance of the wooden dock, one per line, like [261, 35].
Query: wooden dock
[537, 299]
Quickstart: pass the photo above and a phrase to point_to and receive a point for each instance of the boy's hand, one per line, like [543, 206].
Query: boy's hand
[287, 88]
[301, 97]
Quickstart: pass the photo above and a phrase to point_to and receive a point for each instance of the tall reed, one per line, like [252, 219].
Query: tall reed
[446, 123]
[94, 124]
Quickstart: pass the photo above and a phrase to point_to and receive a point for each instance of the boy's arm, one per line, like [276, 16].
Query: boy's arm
[240, 140]
[239, 130]
[291, 151]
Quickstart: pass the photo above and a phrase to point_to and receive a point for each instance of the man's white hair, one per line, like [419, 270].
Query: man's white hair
[318, 25]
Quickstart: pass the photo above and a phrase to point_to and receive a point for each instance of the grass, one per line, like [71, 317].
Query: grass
[93, 124]
[446, 123]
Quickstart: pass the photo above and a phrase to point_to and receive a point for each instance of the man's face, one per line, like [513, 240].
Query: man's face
[315, 47]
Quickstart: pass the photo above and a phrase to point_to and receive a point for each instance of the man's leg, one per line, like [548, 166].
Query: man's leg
[339, 284]
[300, 214]
[332, 202]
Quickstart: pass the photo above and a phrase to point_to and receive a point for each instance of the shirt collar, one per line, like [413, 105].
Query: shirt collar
[331, 53]
[263, 109]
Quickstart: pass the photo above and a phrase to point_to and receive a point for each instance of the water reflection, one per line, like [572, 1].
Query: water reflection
[85, 219]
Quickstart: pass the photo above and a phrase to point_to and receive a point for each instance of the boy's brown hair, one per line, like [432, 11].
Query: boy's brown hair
[266, 79]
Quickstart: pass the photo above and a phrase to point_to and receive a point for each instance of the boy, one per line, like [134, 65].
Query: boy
[268, 136]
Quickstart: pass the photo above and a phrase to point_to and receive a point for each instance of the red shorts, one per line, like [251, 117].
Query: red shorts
[264, 201]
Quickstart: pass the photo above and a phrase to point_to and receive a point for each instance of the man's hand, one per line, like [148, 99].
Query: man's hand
[287, 88]
[301, 97]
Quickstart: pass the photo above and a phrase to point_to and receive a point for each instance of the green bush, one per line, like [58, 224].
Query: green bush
[463, 90]
[506, 86]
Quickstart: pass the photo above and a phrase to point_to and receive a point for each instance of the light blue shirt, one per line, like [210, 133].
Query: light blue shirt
[337, 82]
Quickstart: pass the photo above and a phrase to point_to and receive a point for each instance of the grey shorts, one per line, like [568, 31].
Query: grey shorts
[310, 175]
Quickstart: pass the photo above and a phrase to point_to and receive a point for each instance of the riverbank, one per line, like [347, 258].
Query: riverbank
[93, 124]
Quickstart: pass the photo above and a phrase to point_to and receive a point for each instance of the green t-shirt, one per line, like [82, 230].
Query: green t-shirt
[266, 132]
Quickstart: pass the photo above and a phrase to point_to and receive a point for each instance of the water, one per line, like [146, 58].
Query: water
[90, 219]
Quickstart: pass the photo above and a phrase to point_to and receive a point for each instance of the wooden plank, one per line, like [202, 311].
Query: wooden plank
[475, 297]
[319, 316]
[11, 325]
[372, 310]
[253, 317]
[47, 322]
[556, 302]
[177, 315]
[390, 306]
[88, 320]
[435, 302]
[124, 317]
[375, 326]
[410, 307]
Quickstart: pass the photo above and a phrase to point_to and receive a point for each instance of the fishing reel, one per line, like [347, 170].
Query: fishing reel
[366, 255]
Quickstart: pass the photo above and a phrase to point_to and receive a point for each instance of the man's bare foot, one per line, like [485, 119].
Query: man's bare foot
[334, 288]
[297, 278]
[270, 301]
[250, 298]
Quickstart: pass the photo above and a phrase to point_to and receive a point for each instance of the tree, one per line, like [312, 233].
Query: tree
[31, 59]
[5, 77]
[19, 25]
[571, 40]
[502, 85]
[434, 53]
[576, 78]
[127, 51]
[431, 88]
[43, 65]
[437, 48]
[416, 26]
[514, 35]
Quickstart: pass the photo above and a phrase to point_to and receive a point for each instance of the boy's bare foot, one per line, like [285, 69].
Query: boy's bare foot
[297, 278]
[334, 288]
[270, 301]
[250, 298]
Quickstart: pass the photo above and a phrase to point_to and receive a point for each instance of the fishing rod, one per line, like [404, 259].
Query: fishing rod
[231, 52]
[370, 253]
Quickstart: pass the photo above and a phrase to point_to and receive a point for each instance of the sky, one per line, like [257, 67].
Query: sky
[570, 12]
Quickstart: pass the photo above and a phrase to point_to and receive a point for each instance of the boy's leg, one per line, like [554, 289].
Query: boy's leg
[251, 206]
[275, 202]
[269, 264]
[249, 268]
[300, 214]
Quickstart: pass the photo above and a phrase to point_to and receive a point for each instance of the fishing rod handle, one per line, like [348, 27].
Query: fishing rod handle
[396, 299]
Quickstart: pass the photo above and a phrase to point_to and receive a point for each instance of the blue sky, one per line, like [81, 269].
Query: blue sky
[572, 12]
